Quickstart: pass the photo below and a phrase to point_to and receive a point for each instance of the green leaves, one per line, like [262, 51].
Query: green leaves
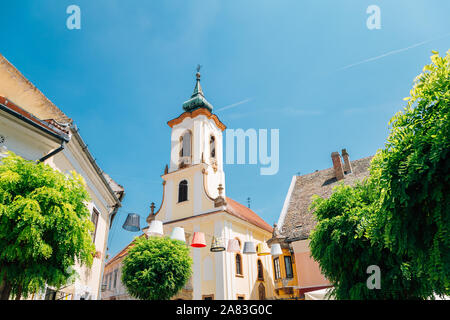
[399, 218]
[44, 224]
[156, 268]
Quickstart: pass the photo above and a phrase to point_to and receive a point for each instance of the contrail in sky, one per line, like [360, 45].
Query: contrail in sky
[234, 104]
[392, 52]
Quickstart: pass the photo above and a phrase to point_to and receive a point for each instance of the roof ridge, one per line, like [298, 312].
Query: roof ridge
[247, 214]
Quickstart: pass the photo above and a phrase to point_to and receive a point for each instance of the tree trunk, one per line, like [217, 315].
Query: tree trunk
[19, 292]
[5, 290]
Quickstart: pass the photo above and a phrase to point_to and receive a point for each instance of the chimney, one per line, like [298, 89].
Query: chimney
[337, 165]
[347, 164]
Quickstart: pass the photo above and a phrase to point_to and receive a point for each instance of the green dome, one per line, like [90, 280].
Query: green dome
[197, 99]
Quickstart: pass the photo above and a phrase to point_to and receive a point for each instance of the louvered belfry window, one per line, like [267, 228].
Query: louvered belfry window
[185, 144]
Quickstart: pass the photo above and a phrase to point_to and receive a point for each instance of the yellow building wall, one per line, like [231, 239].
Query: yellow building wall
[289, 282]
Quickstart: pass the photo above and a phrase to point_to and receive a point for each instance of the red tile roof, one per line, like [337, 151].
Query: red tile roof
[123, 252]
[49, 125]
[243, 212]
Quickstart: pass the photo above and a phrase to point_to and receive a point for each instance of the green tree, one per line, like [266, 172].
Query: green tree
[156, 268]
[341, 245]
[399, 218]
[414, 180]
[45, 226]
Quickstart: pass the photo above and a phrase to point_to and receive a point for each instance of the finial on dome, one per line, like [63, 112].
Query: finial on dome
[198, 71]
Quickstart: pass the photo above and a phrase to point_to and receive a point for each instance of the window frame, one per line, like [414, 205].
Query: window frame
[260, 270]
[95, 213]
[179, 191]
[241, 273]
[109, 280]
[289, 259]
[182, 138]
[212, 142]
[116, 272]
[276, 268]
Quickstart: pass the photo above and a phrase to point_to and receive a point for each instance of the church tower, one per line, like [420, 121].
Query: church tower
[194, 182]
[194, 199]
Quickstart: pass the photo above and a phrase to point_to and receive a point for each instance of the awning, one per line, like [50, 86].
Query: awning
[318, 295]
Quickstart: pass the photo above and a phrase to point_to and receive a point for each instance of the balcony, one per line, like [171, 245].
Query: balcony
[185, 162]
[283, 283]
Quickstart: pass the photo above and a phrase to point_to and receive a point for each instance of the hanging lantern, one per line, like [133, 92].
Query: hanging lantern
[233, 246]
[132, 223]
[217, 245]
[155, 228]
[249, 247]
[262, 249]
[275, 250]
[178, 234]
[198, 240]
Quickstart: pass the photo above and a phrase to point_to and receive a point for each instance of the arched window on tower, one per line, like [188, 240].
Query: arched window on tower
[185, 149]
[183, 191]
[212, 146]
[185, 143]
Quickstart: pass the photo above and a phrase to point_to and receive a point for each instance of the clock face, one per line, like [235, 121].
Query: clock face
[2, 139]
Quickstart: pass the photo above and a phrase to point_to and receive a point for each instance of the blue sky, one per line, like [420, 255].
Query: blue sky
[294, 65]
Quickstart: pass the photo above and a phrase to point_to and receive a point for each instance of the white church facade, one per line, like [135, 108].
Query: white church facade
[194, 198]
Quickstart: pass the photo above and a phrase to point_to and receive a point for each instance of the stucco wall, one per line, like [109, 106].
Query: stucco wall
[308, 270]
[32, 144]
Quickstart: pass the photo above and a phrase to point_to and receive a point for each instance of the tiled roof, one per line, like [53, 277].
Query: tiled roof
[244, 213]
[51, 126]
[122, 253]
[115, 187]
[298, 221]
[28, 96]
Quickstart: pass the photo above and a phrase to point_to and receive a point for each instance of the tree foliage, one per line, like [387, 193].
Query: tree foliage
[45, 226]
[156, 268]
[399, 218]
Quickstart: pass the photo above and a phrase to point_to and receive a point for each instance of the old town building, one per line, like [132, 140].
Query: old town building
[297, 272]
[34, 128]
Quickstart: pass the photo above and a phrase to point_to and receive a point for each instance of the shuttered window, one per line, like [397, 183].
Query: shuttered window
[94, 219]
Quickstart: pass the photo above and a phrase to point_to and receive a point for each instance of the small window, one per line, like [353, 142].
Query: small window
[94, 219]
[115, 278]
[260, 270]
[212, 146]
[276, 268]
[288, 266]
[238, 265]
[183, 191]
[109, 281]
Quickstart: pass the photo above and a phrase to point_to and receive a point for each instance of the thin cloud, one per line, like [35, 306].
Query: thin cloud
[300, 112]
[285, 111]
[387, 107]
[234, 104]
[392, 52]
